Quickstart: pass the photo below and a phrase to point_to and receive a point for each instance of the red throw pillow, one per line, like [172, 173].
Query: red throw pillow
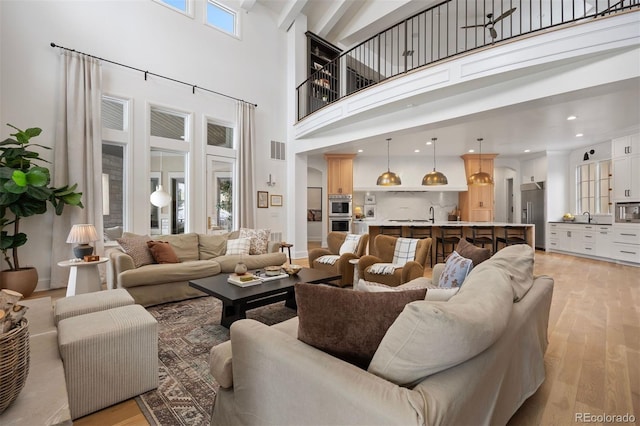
[162, 252]
[348, 324]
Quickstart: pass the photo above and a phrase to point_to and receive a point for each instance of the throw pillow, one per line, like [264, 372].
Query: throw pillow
[259, 239]
[441, 294]
[455, 271]
[350, 244]
[348, 324]
[112, 234]
[238, 246]
[374, 287]
[475, 253]
[136, 247]
[162, 252]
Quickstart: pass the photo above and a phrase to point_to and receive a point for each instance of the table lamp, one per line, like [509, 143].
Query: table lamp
[82, 234]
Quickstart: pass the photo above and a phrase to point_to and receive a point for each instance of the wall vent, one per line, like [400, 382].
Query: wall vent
[277, 150]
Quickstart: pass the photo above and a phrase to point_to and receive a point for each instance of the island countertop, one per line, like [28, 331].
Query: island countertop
[427, 223]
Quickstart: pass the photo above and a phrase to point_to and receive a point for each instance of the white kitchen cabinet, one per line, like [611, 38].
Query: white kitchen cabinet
[626, 178]
[626, 243]
[534, 170]
[626, 145]
[615, 242]
[604, 240]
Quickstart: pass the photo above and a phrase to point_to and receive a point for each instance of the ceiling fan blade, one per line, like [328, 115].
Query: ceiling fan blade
[493, 32]
[505, 14]
[473, 26]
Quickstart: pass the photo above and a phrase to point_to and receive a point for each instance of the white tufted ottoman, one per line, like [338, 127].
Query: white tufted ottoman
[109, 356]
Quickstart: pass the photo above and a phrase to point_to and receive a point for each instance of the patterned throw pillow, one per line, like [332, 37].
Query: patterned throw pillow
[136, 247]
[455, 271]
[238, 246]
[259, 239]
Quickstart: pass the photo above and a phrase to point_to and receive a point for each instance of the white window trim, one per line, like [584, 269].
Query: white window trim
[237, 15]
[189, 12]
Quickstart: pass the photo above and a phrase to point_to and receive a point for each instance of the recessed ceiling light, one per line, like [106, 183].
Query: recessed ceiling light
[416, 150]
[472, 150]
[571, 117]
[579, 135]
[429, 143]
[361, 150]
[527, 150]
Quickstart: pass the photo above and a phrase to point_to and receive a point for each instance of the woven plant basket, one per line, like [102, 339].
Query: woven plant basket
[14, 363]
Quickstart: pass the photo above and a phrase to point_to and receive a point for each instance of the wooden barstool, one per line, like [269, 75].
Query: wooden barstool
[483, 235]
[448, 235]
[513, 235]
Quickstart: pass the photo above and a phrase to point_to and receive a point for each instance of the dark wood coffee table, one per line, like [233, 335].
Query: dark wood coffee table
[236, 301]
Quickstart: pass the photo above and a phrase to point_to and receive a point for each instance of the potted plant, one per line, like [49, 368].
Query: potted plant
[25, 190]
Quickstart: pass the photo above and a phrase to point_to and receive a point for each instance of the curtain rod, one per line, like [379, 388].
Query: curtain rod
[147, 73]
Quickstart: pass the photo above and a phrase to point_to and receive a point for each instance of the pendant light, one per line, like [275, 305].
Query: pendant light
[160, 197]
[388, 178]
[480, 178]
[434, 177]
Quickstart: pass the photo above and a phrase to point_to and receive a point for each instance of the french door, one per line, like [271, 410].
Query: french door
[221, 194]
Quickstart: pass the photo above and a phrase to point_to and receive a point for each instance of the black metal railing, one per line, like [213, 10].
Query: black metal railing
[445, 30]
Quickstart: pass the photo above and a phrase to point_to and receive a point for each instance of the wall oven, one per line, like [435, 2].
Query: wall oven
[340, 224]
[340, 205]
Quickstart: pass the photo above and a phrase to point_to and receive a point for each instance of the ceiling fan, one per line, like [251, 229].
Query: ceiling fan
[492, 22]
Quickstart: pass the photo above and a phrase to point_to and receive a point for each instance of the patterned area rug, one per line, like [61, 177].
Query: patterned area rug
[187, 331]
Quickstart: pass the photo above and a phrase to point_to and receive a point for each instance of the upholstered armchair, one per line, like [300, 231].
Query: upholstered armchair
[384, 247]
[336, 242]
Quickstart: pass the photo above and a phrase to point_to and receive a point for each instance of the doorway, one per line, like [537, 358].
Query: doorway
[221, 197]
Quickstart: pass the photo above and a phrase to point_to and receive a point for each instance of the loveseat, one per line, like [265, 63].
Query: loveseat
[473, 359]
[200, 256]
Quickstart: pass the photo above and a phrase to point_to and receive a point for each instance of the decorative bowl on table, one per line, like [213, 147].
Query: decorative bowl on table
[292, 269]
[272, 271]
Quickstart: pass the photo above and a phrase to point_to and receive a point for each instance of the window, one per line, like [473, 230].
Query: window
[593, 183]
[222, 18]
[219, 135]
[178, 5]
[168, 124]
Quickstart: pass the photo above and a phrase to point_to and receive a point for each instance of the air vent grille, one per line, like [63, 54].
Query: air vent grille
[277, 150]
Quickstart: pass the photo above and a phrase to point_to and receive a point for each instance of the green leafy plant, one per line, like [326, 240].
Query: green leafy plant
[25, 190]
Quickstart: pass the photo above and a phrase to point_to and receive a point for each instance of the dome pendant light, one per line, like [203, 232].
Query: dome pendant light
[160, 197]
[434, 177]
[388, 178]
[480, 178]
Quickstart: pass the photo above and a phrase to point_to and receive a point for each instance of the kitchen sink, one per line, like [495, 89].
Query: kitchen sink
[409, 220]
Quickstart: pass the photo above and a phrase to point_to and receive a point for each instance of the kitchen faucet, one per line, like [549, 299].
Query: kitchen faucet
[432, 215]
[588, 216]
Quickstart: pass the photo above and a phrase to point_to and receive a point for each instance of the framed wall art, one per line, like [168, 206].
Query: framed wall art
[263, 199]
[276, 201]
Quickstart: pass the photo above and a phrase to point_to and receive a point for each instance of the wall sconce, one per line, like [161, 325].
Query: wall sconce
[271, 182]
[586, 155]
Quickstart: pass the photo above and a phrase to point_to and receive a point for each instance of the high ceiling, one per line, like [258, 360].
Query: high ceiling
[602, 112]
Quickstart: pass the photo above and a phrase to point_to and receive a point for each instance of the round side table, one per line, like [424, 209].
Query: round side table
[356, 278]
[84, 277]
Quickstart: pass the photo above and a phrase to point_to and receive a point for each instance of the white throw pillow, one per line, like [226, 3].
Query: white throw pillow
[374, 287]
[455, 271]
[350, 244]
[239, 246]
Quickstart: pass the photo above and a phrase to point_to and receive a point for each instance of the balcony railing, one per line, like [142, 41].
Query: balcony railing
[443, 31]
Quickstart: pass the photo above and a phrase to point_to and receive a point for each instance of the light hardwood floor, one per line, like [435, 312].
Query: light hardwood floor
[593, 359]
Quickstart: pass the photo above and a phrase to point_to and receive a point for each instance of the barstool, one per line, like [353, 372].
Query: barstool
[483, 235]
[448, 235]
[513, 235]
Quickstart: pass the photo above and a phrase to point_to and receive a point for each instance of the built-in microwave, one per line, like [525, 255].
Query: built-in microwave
[340, 205]
[628, 212]
[340, 224]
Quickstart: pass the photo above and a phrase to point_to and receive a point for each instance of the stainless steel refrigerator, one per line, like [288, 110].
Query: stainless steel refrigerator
[533, 209]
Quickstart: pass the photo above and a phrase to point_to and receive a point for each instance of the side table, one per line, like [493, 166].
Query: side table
[84, 277]
[356, 277]
[288, 246]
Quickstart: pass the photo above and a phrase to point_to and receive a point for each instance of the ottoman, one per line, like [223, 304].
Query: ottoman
[90, 302]
[109, 356]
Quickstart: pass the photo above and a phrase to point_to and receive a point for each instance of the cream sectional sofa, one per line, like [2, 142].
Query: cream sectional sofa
[200, 256]
[476, 358]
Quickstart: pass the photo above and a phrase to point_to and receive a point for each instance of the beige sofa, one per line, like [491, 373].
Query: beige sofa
[273, 378]
[200, 256]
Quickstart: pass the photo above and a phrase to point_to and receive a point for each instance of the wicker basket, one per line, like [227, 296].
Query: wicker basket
[14, 363]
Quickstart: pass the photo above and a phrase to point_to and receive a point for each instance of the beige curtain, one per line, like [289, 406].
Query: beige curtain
[77, 154]
[246, 184]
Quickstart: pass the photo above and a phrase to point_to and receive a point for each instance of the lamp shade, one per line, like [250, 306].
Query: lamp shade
[388, 178]
[82, 234]
[480, 178]
[159, 197]
[434, 177]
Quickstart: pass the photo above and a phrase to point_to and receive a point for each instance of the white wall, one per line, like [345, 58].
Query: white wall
[557, 193]
[146, 35]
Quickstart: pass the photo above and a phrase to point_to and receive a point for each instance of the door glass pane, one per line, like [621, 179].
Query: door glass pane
[167, 175]
[113, 190]
[220, 194]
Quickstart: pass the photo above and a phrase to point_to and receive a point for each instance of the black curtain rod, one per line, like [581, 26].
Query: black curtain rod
[147, 73]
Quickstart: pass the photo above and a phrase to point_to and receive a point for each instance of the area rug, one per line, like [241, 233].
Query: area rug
[186, 332]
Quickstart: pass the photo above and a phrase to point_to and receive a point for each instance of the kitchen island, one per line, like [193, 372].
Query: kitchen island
[421, 228]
